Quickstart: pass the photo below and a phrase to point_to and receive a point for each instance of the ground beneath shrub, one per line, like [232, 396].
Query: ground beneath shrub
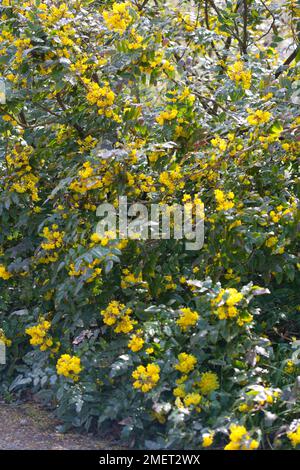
[28, 426]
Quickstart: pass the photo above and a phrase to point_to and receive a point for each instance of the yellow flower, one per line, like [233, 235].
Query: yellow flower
[234, 297]
[294, 436]
[4, 339]
[103, 97]
[179, 391]
[86, 171]
[208, 383]
[238, 74]
[224, 201]
[240, 439]
[129, 279]
[166, 116]
[149, 351]
[187, 318]
[4, 274]
[192, 399]
[146, 378]
[69, 366]
[118, 19]
[54, 238]
[219, 143]
[258, 117]
[186, 363]
[226, 302]
[244, 408]
[207, 439]
[271, 241]
[172, 180]
[136, 343]
[39, 336]
[118, 315]
[136, 40]
[95, 238]
[290, 367]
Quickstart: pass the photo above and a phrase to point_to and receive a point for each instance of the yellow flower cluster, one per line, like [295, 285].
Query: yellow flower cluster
[69, 366]
[109, 235]
[103, 97]
[144, 183]
[187, 318]
[220, 143]
[166, 116]
[192, 399]
[136, 40]
[208, 383]
[170, 285]
[184, 399]
[96, 271]
[290, 367]
[21, 45]
[271, 241]
[8, 118]
[6, 36]
[130, 279]
[49, 258]
[39, 335]
[171, 180]
[54, 238]
[146, 378]
[86, 144]
[237, 73]
[27, 183]
[186, 363]
[179, 391]
[224, 201]
[4, 274]
[294, 436]
[20, 157]
[52, 14]
[158, 63]
[184, 95]
[136, 343]
[240, 439]
[278, 213]
[207, 439]
[226, 302]
[229, 273]
[118, 315]
[258, 117]
[87, 180]
[118, 18]
[4, 340]
[86, 171]
[23, 180]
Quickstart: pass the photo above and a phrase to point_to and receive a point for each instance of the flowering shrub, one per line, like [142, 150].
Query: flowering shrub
[162, 104]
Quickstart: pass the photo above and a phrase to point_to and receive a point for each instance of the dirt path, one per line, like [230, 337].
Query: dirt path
[28, 426]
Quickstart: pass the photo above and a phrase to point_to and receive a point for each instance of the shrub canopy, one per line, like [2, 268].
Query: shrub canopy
[162, 103]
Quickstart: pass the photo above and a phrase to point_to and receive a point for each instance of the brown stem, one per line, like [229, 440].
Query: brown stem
[287, 62]
[245, 27]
